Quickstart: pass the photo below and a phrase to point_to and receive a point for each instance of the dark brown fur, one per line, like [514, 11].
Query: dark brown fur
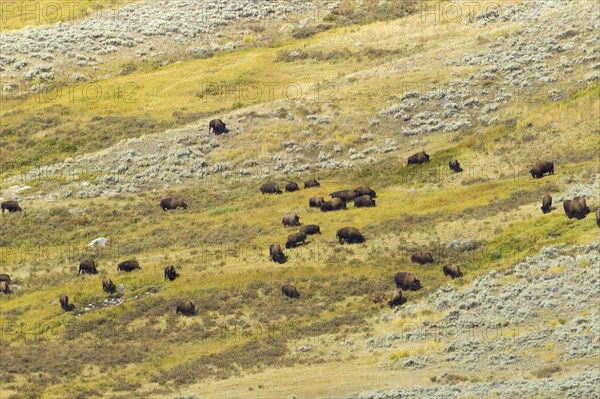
[546, 203]
[217, 126]
[363, 190]
[270, 188]
[452, 270]
[107, 285]
[395, 298]
[291, 187]
[172, 203]
[64, 303]
[276, 253]
[576, 208]
[311, 183]
[407, 281]
[5, 288]
[294, 239]
[87, 266]
[187, 309]
[291, 220]
[364, 201]
[421, 257]
[455, 165]
[290, 291]
[351, 235]
[128, 265]
[418, 158]
[170, 273]
[5, 277]
[310, 229]
[316, 201]
[10, 206]
[542, 168]
[344, 195]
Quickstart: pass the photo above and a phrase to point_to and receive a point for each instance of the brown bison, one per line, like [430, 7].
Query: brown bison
[170, 273]
[291, 220]
[290, 291]
[310, 229]
[4, 287]
[270, 188]
[172, 203]
[187, 309]
[344, 195]
[598, 216]
[378, 297]
[276, 253]
[5, 277]
[452, 270]
[334, 205]
[107, 285]
[360, 191]
[316, 201]
[364, 201]
[10, 206]
[455, 165]
[128, 265]
[64, 303]
[418, 158]
[407, 281]
[217, 126]
[539, 169]
[546, 203]
[294, 239]
[421, 257]
[395, 298]
[351, 235]
[576, 208]
[291, 187]
[87, 266]
[311, 183]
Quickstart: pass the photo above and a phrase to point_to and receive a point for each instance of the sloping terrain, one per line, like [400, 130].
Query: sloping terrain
[343, 95]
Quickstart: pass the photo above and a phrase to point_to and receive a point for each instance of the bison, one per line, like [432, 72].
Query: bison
[5, 277]
[310, 229]
[452, 270]
[364, 201]
[395, 298]
[291, 220]
[291, 187]
[541, 168]
[270, 188]
[351, 235]
[455, 165]
[418, 158]
[294, 239]
[4, 287]
[172, 203]
[407, 281]
[546, 203]
[128, 265]
[378, 297]
[107, 285]
[87, 266]
[316, 201]
[64, 303]
[187, 309]
[360, 191]
[334, 205]
[421, 257]
[576, 208]
[290, 291]
[10, 206]
[276, 253]
[217, 126]
[344, 195]
[170, 273]
[311, 183]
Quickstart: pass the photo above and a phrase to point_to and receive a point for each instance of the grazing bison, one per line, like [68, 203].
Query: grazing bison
[598, 216]
[310, 229]
[290, 291]
[107, 285]
[291, 187]
[421, 257]
[291, 220]
[364, 201]
[546, 203]
[172, 203]
[418, 158]
[378, 297]
[365, 191]
[170, 273]
[407, 281]
[576, 208]
[349, 234]
[270, 188]
[452, 270]
[217, 126]
[316, 201]
[294, 239]
[187, 309]
[64, 303]
[311, 183]
[10, 206]
[344, 195]
[539, 169]
[5, 277]
[87, 266]
[276, 253]
[334, 205]
[455, 165]
[395, 298]
[4, 288]
[128, 265]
